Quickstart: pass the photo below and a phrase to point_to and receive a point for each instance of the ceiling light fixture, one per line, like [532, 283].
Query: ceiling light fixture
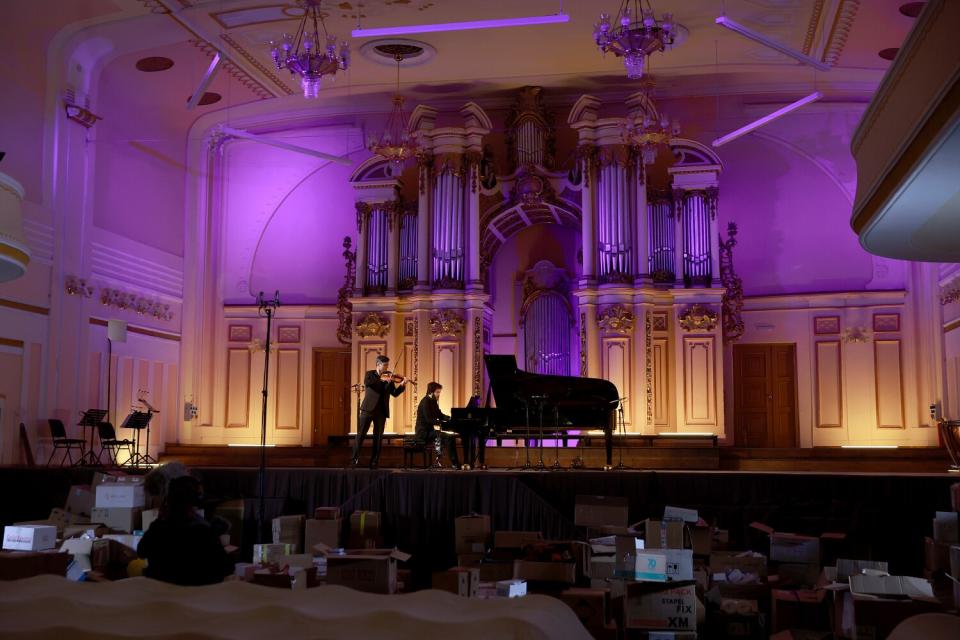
[736, 27]
[649, 136]
[303, 55]
[638, 35]
[527, 21]
[767, 119]
[394, 143]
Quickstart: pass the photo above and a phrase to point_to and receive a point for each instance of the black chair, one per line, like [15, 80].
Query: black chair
[60, 441]
[411, 447]
[111, 444]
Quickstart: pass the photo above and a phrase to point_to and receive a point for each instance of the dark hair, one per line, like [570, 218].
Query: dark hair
[183, 494]
[433, 386]
[382, 359]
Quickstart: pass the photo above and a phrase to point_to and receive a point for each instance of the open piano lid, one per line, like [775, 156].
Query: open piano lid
[514, 388]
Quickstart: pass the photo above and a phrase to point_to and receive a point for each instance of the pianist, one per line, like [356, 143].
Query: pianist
[428, 416]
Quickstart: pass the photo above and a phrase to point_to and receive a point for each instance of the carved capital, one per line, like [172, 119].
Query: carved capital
[363, 212]
[446, 323]
[616, 319]
[373, 325]
[698, 317]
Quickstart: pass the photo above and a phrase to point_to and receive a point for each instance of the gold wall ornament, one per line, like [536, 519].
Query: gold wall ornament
[733, 325]
[698, 317]
[373, 325]
[446, 324]
[616, 319]
[477, 356]
[344, 307]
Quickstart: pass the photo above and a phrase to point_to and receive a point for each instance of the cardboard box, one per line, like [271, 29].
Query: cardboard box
[701, 540]
[677, 563]
[325, 532]
[127, 540]
[458, 580]
[663, 534]
[946, 527]
[936, 555]
[955, 562]
[232, 512]
[326, 513]
[16, 565]
[800, 609]
[602, 567]
[590, 605]
[533, 571]
[791, 547]
[29, 537]
[471, 560]
[288, 530]
[599, 511]
[515, 539]
[512, 588]
[880, 603]
[365, 530]
[726, 562]
[111, 558]
[847, 567]
[495, 571]
[955, 496]
[472, 533]
[120, 494]
[272, 553]
[371, 570]
[80, 500]
[118, 518]
[671, 607]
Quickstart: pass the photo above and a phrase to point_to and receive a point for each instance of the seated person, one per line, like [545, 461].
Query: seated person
[428, 416]
[181, 547]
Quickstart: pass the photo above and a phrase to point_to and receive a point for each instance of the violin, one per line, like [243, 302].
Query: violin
[390, 376]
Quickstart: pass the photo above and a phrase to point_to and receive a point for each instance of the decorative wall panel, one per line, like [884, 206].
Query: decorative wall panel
[616, 366]
[288, 389]
[661, 374]
[446, 368]
[238, 387]
[886, 354]
[700, 394]
[828, 374]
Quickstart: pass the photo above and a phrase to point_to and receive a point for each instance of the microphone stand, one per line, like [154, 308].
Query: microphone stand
[265, 308]
[623, 436]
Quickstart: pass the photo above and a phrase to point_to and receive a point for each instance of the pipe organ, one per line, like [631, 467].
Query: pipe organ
[640, 302]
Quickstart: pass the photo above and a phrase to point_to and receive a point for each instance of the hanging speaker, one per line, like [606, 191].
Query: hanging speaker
[117, 330]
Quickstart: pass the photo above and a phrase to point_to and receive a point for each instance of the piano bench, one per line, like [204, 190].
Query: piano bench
[411, 447]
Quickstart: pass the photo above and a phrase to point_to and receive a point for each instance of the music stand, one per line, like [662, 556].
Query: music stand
[91, 418]
[139, 420]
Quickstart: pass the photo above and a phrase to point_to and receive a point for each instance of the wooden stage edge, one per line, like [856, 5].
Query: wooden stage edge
[908, 460]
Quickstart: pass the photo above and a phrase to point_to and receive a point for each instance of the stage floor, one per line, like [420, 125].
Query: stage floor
[885, 516]
[657, 455]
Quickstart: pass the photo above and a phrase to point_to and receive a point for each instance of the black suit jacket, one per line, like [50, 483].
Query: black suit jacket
[377, 394]
[428, 415]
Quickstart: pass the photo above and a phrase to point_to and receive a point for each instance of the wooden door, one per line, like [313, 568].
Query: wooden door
[765, 400]
[331, 394]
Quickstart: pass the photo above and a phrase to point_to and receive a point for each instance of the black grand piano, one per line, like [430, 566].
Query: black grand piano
[534, 406]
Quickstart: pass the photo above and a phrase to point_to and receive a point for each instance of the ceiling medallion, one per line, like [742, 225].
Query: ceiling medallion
[616, 319]
[373, 325]
[698, 317]
[303, 55]
[638, 35]
[395, 144]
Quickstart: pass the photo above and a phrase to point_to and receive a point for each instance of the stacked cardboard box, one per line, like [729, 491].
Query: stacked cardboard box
[288, 530]
[119, 502]
[365, 530]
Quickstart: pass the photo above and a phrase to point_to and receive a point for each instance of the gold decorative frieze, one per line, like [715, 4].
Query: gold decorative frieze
[698, 317]
[616, 319]
[446, 324]
[373, 325]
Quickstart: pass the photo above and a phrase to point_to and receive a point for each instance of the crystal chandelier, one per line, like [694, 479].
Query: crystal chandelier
[302, 53]
[395, 143]
[638, 35]
[649, 136]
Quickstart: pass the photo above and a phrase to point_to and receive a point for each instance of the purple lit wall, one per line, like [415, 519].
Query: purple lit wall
[286, 215]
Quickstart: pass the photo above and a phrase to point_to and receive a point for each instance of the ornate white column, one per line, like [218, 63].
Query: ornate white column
[363, 217]
[588, 240]
[425, 164]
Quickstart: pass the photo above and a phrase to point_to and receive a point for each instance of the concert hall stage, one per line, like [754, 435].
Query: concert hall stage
[884, 515]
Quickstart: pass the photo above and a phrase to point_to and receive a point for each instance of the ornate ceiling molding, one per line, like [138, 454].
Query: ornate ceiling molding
[236, 72]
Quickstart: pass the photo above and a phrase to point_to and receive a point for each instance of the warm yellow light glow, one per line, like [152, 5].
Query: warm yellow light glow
[687, 434]
[247, 444]
[869, 446]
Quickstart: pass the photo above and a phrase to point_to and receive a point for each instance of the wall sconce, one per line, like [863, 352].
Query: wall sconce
[75, 286]
[856, 335]
[81, 115]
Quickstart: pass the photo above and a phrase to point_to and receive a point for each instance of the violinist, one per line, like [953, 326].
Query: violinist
[379, 384]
